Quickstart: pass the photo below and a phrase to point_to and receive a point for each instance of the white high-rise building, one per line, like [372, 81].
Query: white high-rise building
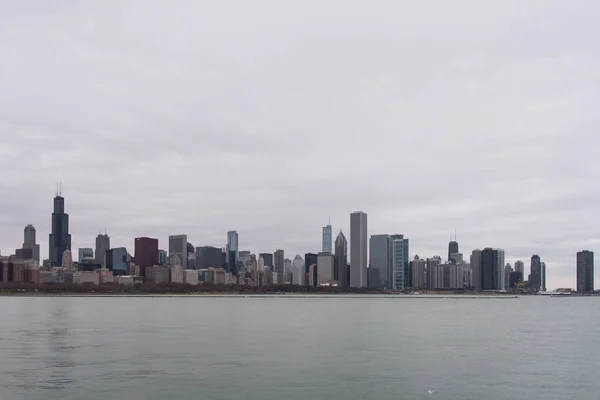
[419, 277]
[178, 247]
[298, 272]
[324, 268]
[67, 260]
[327, 238]
[358, 249]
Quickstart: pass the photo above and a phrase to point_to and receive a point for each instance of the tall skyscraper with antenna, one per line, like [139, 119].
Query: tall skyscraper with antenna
[452, 247]
[60, 239]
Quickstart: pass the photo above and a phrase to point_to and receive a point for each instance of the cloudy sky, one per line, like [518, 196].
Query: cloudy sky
[270, 117]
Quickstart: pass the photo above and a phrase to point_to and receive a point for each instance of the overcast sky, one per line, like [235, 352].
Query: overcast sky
[271, 116]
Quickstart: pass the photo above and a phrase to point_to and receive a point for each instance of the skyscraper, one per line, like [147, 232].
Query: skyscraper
[585, 271]
[452, 249]
[178, 247]
[60, 239]
[492, 269]
[102, 245]
[29, 242]
[381, 266]
[327, 237]
[209, 257]
[268, 258]
[310, 261]
[145, 253]
[535, 276]
[543, 288]
[358, 249]
[476, 272]
[340, 268]
[419, 268]
[401, 263]
[67, 260]
[279, 267]
[232, 252]
[162, 257]
[520, 267]
[507, 271]
[325, 266]
[85, 252]
[298, 274]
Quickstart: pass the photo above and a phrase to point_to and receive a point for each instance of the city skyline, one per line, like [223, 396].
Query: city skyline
[473, 125]
[104, 241]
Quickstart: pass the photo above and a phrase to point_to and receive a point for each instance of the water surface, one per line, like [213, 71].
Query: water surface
[299, 348]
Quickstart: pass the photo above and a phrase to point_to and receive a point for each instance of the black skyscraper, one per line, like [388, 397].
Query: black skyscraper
[452, 249]
[535, 277]
[492, 268]
[585, 271]
[268, 259]
[60, 239]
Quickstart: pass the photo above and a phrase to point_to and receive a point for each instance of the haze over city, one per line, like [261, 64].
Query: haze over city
[270, 119]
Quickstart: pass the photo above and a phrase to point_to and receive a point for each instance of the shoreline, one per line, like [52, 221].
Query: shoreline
[274, 295]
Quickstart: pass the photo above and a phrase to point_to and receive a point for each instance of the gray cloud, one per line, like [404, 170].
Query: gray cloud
[269, 118]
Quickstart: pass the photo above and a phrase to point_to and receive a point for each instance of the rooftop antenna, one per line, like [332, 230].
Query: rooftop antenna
[56, 188]
[60, 189]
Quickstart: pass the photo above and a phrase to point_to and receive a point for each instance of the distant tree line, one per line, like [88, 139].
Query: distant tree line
[171, 288]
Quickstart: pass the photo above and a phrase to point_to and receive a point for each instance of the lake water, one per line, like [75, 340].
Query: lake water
[299, 348]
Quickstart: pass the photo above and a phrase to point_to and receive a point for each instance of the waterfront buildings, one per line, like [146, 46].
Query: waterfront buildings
[381, 267]
[492, 269]
[59, 239]
[268, 259]
[358, 249]
[418, 267]
[452, 249]
[298, 274]
[327, 237]
[116, 261]
[157, 274]
[146, 252]
[325, 266]
[476, 271]
[190, 276]
[85, 253]
[279, 267]
[29, 242]
[340, 268]
[310, 269]
[209, 257]
[520, 267]
[507, 271]
[162, 257]
[178, 248]
[102, 245]
[535, 276]
[401, 262]
[585, 271]
[232, 252]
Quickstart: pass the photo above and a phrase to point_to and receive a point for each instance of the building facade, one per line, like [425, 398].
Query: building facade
[85, 253]
[340, 268]
[381, 267]
[310, 264]
[60, 238]
[178, 247]
[327, 238]
[232, 252]
[146, 252]
[419, 276]
[492, 269]
[279, 265]
[325, 263]
[535, 276]
[29, 242]
[585, 271]
[102, 246]
[209, 257]
[116, 261]
[358, 249]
